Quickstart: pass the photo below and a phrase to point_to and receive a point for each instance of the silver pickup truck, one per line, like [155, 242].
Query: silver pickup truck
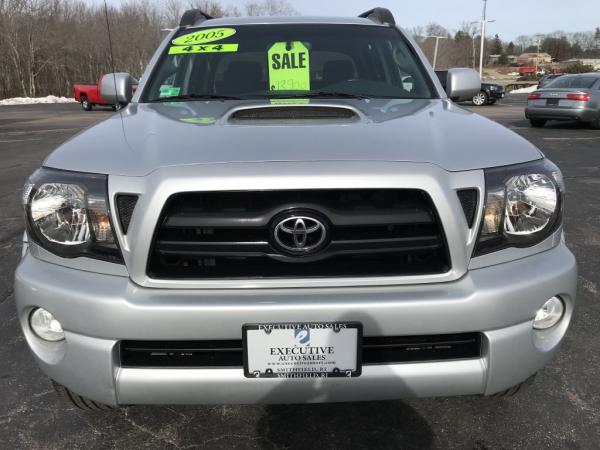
[292, 210]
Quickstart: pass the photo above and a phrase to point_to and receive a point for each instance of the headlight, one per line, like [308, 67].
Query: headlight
[523, 205]
[67, 213]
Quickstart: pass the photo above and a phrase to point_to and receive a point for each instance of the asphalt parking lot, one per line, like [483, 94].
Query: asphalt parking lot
[561, 410]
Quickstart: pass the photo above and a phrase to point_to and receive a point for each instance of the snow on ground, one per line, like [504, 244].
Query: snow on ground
[35, 100]
[527, 90]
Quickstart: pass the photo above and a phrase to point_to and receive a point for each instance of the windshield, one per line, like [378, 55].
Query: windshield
[573, 82]
[271, 61]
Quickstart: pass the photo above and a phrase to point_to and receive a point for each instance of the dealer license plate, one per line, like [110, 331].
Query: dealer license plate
[302, 350]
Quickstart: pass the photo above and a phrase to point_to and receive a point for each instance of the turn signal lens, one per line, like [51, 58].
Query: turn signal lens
[549, 314]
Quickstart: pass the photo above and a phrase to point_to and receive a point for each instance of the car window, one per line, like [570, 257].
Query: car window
[262, 61]
[573, 82]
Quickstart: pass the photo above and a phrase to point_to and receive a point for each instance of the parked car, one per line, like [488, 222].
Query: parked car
[548, 78]
[570, 97]
[273, 220]
[488, 94]
[88, 95]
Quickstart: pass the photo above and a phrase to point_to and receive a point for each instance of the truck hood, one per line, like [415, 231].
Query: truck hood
[145, 137]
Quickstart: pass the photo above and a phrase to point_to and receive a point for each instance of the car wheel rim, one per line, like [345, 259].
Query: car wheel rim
[479, 99]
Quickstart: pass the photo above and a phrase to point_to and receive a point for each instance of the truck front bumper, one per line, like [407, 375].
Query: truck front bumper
[97, 311]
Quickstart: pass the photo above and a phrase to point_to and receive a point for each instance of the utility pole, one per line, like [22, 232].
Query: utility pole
[435, 52]
[537, 55]
[484, 21]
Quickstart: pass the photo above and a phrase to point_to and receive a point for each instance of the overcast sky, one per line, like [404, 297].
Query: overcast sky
[513, 17]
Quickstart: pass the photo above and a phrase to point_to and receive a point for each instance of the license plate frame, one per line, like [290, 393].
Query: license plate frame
[552, 102]
[321, 329]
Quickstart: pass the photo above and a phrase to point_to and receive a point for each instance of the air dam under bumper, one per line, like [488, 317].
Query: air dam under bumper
[97, 311]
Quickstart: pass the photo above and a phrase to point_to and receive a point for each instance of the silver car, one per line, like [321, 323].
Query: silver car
[292, 210]
[569, 97]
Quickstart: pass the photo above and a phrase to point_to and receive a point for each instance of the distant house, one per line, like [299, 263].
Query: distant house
[493, 59]
[535, 58]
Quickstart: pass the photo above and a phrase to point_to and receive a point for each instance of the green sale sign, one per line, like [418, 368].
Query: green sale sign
[289, 67]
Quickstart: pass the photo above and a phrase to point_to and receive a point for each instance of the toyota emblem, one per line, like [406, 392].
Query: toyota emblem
[300, 235]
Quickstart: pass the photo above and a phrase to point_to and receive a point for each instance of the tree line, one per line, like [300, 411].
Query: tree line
[461, 48]
[48, 45]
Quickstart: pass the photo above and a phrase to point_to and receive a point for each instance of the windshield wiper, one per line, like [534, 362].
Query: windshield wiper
[196, 97]
[322, 94]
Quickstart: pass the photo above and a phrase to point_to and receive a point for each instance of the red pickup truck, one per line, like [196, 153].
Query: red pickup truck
[88, 95]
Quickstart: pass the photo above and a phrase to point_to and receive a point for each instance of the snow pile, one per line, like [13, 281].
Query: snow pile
[527, 90]
[35, 100]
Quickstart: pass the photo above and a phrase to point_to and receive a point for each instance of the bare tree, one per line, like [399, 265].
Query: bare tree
[270, 8]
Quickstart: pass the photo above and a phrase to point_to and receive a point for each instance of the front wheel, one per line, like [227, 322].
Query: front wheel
[71, 399]
[537, 123]
[85, 103]
[480, 99]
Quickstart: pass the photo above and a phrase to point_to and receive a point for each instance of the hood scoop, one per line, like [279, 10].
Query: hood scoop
[294, 113]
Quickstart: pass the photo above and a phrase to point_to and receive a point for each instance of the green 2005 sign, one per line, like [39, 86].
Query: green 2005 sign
[204, 36]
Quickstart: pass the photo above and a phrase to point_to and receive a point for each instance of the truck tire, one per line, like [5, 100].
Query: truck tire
[70, 398]
[85, 104]
[537, 123]
[511, 392]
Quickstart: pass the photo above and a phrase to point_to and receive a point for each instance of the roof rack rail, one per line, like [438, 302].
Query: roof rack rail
[380, 15]
[193, 16]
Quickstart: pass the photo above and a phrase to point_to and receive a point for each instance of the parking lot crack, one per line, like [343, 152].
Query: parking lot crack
[7, 295]
[149, 432]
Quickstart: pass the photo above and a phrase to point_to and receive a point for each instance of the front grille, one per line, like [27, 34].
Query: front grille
[371, 232]
[229, 353]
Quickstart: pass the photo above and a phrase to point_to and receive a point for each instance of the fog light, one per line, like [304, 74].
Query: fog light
[550, 314]
[46, 326]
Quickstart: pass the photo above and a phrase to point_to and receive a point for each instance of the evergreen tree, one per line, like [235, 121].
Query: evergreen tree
[497, 48]
[510, 48]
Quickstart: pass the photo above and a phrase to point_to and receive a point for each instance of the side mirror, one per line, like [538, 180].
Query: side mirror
[117, 88]
[462, 84]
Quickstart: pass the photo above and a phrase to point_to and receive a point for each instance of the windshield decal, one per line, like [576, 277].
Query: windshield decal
[199, 120]
[169, 91]
[218, 48]
[289, 67]
[204, 36]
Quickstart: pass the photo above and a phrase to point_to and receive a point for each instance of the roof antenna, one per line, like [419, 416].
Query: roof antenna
[112, 59]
